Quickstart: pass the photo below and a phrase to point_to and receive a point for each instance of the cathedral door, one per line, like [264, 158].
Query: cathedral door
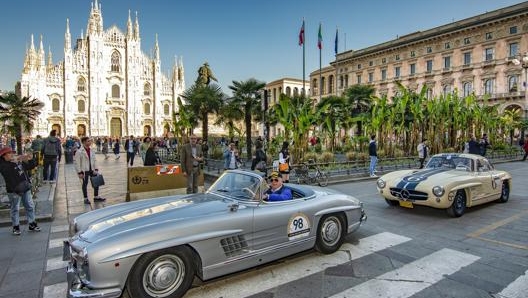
[57, 129]
[116, 127]
[147, 131]
[81, 130]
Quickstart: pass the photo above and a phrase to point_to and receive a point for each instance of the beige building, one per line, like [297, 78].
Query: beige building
[288, 86]
[471, 55]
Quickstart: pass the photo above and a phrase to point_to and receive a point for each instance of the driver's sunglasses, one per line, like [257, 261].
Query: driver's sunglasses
[274, 180]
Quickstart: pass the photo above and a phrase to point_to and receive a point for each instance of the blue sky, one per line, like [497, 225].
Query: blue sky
[240, 39]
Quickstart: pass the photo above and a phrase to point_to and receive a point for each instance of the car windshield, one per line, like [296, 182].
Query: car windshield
[451, 161]
[237, 185]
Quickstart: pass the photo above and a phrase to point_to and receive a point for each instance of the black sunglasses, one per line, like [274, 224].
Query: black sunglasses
[274, 179]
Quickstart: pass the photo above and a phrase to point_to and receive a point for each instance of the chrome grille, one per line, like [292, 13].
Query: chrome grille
[407, 194]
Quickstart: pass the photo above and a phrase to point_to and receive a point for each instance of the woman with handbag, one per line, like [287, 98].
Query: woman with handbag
[84, 161]
[18, 187]
[284, 162]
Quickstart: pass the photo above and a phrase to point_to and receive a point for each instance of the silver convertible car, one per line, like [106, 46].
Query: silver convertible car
[156, 247]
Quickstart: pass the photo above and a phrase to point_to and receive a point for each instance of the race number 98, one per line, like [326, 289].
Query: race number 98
[299, 226]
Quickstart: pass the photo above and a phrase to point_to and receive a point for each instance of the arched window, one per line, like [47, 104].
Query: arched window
[512, 84]
[295, 91]
[314, 87]
[323, 85]
[115, 62]
[488, 86]
[81, 106]
[166, 109]
[468, 88]
[81, 84]
[446, 89]
[429, 93]
[55, 105]
[147, 108]
[115, 91]
[146, 89]
[331, 84]
[288, 91]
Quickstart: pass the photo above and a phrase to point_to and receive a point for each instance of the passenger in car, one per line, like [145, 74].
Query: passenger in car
[277, 191]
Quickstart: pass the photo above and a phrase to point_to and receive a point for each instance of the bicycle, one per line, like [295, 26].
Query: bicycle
[304, 175]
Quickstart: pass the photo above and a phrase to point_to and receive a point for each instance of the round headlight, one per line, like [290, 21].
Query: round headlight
[438, 191]
[381, 183]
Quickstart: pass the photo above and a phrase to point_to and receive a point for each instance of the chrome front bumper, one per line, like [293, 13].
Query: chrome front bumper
[76, 287]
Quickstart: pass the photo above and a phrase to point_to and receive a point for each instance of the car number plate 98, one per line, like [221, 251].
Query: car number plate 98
[406, 204]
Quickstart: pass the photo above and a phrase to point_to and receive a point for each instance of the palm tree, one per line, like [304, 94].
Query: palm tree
[229, 115]
[359, 100]
[247, 94]
[203, 100]
[333, 115]
[18, 114]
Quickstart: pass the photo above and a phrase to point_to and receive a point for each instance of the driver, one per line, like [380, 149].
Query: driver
[277, 191]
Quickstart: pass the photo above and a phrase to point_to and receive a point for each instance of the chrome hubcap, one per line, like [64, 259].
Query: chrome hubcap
[331, 231]
[163, 276]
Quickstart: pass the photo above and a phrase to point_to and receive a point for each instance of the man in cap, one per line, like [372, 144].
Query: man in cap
[277, 191]
[18, 187]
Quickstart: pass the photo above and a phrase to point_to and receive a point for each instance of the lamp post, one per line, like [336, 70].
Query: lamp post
[522, 61]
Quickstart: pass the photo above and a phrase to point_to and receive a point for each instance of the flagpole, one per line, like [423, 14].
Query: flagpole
[336, 62]
[320, 46]
[304, 65]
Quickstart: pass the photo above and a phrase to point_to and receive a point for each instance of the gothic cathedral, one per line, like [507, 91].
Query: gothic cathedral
[105, 86]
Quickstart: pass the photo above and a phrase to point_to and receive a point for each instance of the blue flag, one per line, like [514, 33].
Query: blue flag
[336, 43]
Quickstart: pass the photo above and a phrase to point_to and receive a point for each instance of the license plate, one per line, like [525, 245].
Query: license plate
[406, 204]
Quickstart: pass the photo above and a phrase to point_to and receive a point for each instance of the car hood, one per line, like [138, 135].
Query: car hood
[127, 217]
[411, 179]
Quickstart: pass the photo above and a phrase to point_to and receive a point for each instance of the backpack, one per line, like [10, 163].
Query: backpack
[50, 148]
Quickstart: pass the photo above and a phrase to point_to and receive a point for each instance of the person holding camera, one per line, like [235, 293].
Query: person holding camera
[191, 158]
[18, 187]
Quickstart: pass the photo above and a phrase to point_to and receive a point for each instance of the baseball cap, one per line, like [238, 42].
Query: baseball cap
[6, 150]
[275, 174]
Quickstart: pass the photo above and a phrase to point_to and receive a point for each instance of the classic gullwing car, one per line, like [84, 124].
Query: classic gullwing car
[156, 247]
[449, 181]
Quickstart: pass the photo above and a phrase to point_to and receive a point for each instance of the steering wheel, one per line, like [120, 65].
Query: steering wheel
[249, 191]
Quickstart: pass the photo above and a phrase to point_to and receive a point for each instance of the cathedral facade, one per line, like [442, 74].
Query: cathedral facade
[104, 86]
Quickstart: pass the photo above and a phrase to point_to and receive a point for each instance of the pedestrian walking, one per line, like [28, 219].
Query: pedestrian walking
[423, 150]
[18, 187]
[191, 158]
[116, 149]
[84, 161]
[131, 149]
[52, 151]
[284, 162]
[373, 156]
[104, 148]
[525, 147]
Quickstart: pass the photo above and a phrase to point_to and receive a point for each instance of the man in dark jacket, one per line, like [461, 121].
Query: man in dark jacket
[373, 154]
[18, 187]
[51, 150]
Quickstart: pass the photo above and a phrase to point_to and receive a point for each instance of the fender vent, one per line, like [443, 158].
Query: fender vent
[234, 245]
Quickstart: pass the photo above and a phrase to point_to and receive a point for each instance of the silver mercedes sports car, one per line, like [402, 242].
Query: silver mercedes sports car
[156, 247]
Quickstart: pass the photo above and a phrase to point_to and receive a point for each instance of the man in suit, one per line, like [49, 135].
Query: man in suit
[191, 157]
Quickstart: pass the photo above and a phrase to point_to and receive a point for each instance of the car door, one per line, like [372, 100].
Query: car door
[281, 224]
[487, 178]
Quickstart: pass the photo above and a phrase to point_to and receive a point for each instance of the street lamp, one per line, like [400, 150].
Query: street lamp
[522, 60]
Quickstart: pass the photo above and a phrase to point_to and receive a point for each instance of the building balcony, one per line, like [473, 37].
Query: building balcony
[488, 63]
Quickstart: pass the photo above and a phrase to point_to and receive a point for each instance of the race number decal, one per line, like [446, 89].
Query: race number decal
[298, 226]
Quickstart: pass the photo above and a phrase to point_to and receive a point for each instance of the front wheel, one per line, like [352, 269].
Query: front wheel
[505, 192]
[458, 207]
[164, 273]
[330, 233]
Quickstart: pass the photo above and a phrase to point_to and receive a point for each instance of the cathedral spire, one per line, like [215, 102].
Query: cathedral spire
[50, 58]
[136, 28]
[67, 36]
[32, 46]
[129, 26]
[156, 49]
